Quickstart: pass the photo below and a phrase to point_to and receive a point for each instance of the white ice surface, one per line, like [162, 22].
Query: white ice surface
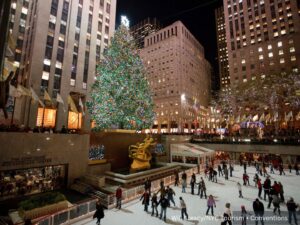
[224, 191]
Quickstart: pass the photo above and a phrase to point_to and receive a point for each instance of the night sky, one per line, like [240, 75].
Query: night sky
[197, 15]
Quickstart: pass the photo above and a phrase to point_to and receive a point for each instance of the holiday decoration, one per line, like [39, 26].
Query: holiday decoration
[120, 96]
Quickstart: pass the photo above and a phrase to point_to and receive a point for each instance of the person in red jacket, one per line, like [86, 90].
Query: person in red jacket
[276, 188]
[119, 197]
[259, 186]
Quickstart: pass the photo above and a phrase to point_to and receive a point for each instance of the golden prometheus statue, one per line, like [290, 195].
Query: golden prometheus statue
[141, 155]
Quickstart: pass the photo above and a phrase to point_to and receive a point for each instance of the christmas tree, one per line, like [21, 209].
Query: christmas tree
[120, 96]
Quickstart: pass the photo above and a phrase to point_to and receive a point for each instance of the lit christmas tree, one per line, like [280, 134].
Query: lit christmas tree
[120, 96]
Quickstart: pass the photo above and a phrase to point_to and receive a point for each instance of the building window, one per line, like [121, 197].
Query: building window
[293, 58]
[282, 60]
[74, 120]
[279, 44]
[46, 117]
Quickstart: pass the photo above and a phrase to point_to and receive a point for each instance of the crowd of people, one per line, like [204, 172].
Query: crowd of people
[166, 197]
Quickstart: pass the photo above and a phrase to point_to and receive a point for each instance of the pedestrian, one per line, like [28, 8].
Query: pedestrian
[183, 178]
[119, 197]
[162, 184]
[245, 167]
[281, 192]
[215, 174]
[290, 167]
[146, 200]
[227, 215]
[99, 213]
[240, 189]
[244, 215]
[170, 192]
[276, 204]
[259, 186]
[271, 168]
[271, 193]
[192, 183]
[292, 206]
[265, 171]
[154, 204]
[255, 179]
[183, 209]
[230, 169]
[210, 205]
[203, 188]
[259, 210]
[281, 170]
[163, 207]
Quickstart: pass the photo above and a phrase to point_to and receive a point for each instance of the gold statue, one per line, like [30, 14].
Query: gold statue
[141, 155]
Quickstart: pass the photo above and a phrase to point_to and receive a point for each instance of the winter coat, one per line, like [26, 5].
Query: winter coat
[259, 184]
[146, 198]
[291, 206]
[183, 176]
[154, 201]
[170, 193]
[182, 204]
[99, 214]
[258, 207]
[163, 202]
[119, 193]
[267, 184]
[211, 202]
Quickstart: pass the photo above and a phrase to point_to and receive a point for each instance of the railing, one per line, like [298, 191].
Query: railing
[86, 209]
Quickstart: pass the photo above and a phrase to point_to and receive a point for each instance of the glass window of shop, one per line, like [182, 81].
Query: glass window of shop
[32, 180]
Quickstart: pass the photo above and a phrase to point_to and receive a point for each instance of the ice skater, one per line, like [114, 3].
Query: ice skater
[210, 205]
[183, 209]
[240, 189]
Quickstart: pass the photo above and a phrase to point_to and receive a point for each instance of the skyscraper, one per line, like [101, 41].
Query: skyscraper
[222, 49]
[262, 37]
[58, 45]
[144, 28]
[179, 77]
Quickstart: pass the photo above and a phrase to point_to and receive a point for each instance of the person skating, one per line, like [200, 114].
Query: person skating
[227, 215]
[276, 204]
[170, 193]
[176, 178]
[259, 186]
[154, 204]
[192, 183]
[281, 170]
[119, 197]
[244, 215]
[215, 175]
[245, 167]
[147, 185]
[272, 192]
[246, 179]
[210, 205]
[99, 213]
[146, 200]
[240, 189]
[203, 188]
[163, 202]
[296, 168]
[255, 179]
[220, 170]
[290, 167]
[230, 169]
[281, 192]
[226, 173]
[183, 209]
[183, 183]
[267, 187]
[259, 210]
[265, 171]
[271, 168]
[291, 207]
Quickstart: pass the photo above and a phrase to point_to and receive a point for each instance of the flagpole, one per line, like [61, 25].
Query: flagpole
[29, 109]
[13, 112]
[43, 115]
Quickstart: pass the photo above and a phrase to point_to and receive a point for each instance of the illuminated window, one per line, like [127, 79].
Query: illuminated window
[279, 44]
[282, 60]
[269, 47]
[280, 52]
[74, 120]
[261, 57]
[243, 61]
[270, 54]
[293, 58]
[260, 49]
[45, 75]
[292, 49]
[46, 117]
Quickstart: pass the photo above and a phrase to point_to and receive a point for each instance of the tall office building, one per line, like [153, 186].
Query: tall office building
[58, 45]
[222, 49]
[143, 29]
[179, 77]
[262, 37]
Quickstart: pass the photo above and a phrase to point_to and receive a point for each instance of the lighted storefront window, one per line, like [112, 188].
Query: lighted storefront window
[74, 120]
[48, 115]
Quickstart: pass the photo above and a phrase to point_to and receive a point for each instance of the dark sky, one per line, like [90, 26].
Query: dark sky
[197, 15]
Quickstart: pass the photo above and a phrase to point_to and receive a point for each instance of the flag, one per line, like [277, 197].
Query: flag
[35, 97]
[262, 118]
[47, 96]
[268, 117]
[249, 118]
[288, 116]
[243, 118]
[72, 104]
[238, 119]
[275, 116]
[59, 98]
[23, 90]
[81, 106]
[14, 92]
[255, 117]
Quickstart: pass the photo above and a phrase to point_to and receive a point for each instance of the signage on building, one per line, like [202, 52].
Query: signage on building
[26, 161]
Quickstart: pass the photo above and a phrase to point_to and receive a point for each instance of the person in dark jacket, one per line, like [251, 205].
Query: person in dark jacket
[170, 193]
[147, 185]
[176, 178]
[154, 204]
[163, 202]
[99, 214]
[192, 183]
[267, 187]
[292, 206]
[146, 199]
[259, 210]
[119, 197]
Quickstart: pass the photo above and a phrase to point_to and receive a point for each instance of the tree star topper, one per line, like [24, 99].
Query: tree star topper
[125, 21]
